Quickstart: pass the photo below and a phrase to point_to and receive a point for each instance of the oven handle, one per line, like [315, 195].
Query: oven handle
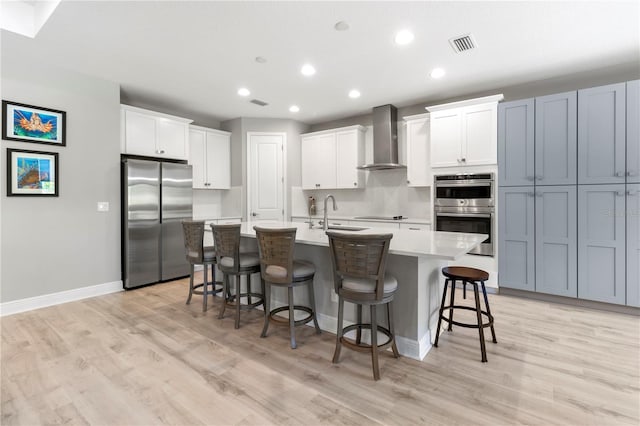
[459, 184]
[483, 215]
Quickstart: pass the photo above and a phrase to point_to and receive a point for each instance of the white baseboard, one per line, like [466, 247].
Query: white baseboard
[31, 303]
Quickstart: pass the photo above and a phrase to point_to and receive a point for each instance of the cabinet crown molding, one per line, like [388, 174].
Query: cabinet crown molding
[467, 102]
[155, 113]
[208, 129]
[339, 129]
[424, 116]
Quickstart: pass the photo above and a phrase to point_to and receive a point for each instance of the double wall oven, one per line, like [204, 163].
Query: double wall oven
[466, 203]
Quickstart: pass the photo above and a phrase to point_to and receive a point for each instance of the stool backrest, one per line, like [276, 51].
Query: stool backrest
[226, 239]
[275, 247]
[360, 257]
[193, 231]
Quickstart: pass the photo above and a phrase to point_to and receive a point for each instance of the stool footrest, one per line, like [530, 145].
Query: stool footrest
[246, 306]
[285, 321]
[467, 325]
[364, 347]
[214, 291]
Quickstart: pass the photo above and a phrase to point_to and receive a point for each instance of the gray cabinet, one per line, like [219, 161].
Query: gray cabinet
[516, 143]
[633, 245]
[633, 131]
[601, 243]
[556, 240]
[556, 139]
[517, 238]
[601, 134]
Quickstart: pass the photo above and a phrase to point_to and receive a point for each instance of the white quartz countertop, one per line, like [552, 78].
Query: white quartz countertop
[417, 220]
[437, 245]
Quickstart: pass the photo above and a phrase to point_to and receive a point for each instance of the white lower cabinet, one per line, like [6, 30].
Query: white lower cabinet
[210, 157]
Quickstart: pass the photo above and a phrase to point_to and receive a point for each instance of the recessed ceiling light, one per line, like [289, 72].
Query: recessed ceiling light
[404, 37]
[294, 108]
[437, 73]
[341, 26]
[353, 94]
[261, 59]
[243, 91]
[308, 70]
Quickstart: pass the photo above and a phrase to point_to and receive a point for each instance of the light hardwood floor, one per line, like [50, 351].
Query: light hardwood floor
[143, 357]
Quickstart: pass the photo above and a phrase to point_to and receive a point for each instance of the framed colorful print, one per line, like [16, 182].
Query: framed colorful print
[32, 173]
[28, 123]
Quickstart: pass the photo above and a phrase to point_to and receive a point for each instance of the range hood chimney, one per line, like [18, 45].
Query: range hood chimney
[385, 139]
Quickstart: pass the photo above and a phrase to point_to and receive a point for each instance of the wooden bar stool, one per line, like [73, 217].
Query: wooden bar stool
[473, 277]
[198, 254]
[359, 263]
[278, 268]
[234, 263]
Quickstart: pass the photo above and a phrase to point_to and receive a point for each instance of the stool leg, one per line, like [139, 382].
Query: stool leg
[225, 291]
[441, 314]
[262, 288]
[249, 289]
[374, 342]
[267, 307]
[394, 348]
[453, 297]
[205, 288]
[359, 320]
[486, 303]
[238, 284]
[312, 301]
[191, 269]
[339, 331]
[480, 328]
[292, 319]
[213, 280]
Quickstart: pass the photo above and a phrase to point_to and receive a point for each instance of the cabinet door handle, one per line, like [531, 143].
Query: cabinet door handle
[464, 160]
[619, 174]
[355, 183]
[620, 193]
[630, 173]
[632, 193]
[159, 151]
[408, 182]
[414, 229]
[539, 177]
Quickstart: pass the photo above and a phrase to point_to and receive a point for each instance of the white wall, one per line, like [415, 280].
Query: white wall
[55, 244]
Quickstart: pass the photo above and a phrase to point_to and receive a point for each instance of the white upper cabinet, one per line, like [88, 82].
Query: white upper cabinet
[418, 166]
[153, 134]
[210, 157]
[464, 133]
[329, 159]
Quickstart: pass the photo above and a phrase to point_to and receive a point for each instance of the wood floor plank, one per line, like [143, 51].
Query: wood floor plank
[144, 357]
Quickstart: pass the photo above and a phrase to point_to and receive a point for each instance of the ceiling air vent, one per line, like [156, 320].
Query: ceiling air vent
[258, 102]
[463, 43]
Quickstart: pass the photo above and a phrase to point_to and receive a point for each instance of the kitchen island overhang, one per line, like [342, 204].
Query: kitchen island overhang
[415, 259]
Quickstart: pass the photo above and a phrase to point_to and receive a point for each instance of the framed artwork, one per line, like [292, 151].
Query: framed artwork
[28, 123]
[32, 173]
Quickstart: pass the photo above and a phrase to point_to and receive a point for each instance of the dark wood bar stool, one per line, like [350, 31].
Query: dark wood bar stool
[473, 277]
[278, 268]
[234, 263]
[359, 263]
[198, 254]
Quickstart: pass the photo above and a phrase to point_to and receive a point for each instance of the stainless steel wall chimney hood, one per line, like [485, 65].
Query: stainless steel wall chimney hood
[385, 139]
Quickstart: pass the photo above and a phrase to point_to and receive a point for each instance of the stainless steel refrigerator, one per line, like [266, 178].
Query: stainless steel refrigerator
[156, 196]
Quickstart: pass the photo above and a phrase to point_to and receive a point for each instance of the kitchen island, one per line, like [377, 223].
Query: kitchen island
[415, 259]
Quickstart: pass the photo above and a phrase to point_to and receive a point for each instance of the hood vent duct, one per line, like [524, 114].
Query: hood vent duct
[385, 139]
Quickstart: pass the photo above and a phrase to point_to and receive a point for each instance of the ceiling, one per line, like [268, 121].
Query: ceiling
[194, 56]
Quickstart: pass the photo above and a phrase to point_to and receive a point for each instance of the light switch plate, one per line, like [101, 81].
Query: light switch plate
[334, 296]
[103, 206]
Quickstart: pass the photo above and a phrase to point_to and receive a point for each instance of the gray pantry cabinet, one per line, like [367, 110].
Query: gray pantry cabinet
[601, 134]
[556, 240]
[556, 139]
[601, 243]
[571, 227]
[633, 244]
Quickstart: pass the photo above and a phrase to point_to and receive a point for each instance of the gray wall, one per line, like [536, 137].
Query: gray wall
[52, 244]
[582, 80]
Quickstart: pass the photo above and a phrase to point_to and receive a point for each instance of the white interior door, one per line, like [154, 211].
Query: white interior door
[265, 176]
